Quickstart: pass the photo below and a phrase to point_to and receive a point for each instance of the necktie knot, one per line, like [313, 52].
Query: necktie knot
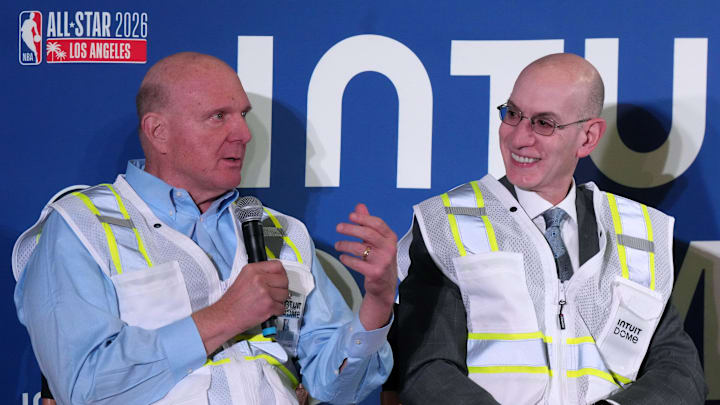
[554, 217]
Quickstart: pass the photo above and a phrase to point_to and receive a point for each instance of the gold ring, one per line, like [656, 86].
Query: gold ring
[366, 253]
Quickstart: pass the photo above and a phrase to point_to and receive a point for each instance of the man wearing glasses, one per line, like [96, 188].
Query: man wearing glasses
[533, 289]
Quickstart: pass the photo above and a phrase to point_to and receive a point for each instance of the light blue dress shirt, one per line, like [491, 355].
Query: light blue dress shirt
[89, 355]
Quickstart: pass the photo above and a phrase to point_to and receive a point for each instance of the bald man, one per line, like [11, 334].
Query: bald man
[533, 289]
[140, 291]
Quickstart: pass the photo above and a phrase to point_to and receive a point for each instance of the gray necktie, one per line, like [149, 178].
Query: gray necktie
[553, 222]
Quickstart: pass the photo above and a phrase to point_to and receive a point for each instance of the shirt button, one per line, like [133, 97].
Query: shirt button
[178, 194]
[358, 342]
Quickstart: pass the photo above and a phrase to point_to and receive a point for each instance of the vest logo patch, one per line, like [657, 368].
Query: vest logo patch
[627, 331]
[294, 305]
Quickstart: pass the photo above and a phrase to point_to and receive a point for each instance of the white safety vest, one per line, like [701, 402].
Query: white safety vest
[161, 276]
[532, 339]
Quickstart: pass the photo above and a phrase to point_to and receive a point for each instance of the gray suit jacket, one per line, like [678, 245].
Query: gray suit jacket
[430, 332]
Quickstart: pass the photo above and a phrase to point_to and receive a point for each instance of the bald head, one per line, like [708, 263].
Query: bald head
[169, 74]
[573, 71]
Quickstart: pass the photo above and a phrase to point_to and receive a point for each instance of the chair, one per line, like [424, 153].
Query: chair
[341, 278]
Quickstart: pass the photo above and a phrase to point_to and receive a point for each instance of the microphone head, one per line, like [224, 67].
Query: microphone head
[248, 208]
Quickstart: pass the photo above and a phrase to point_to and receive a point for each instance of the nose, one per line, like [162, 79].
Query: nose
[522, 134]
[240, 131]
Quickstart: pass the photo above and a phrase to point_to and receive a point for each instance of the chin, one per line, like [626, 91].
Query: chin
[524, 182]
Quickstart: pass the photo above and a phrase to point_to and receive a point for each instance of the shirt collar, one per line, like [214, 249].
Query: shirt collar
[165, 197]
[535, 205]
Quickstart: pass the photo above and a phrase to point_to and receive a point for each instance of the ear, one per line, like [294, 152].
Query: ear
[155, 128]
[594, 130]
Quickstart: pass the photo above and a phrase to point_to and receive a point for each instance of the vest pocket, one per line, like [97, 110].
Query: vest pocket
[506, 352]
[634, 314]
[152, 297]
[495, 285]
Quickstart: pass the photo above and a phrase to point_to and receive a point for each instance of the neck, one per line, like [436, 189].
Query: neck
[203, 199]
[554, 197]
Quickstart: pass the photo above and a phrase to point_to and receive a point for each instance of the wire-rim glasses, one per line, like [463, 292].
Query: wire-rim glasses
[541, 126]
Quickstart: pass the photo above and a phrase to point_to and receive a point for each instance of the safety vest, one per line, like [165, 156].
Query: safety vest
[532, 339]
[161, 276]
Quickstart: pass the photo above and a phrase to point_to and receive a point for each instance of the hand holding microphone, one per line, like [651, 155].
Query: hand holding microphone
[249, 211]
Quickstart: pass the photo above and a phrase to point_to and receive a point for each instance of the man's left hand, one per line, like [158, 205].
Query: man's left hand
[375, 258]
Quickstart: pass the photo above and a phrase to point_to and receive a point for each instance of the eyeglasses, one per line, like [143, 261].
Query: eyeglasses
[541, 126]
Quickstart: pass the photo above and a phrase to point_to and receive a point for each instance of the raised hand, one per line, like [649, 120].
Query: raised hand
[373, 257]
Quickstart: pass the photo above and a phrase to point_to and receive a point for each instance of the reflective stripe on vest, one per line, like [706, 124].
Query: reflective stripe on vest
[492, 353]
[469, 223]
[271, 360]
[278, 231]
[634, 235]
[585, 359]
[109, 222]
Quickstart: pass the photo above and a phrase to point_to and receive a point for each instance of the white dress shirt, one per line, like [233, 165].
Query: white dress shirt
[534, 206]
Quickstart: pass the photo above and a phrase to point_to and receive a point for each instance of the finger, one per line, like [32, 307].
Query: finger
[276, 281]
[373, 222]
[267, 267]
[279, 309]
[362, 209]
[278, 294]
[357, 264]
[365, 233]
[354, 248]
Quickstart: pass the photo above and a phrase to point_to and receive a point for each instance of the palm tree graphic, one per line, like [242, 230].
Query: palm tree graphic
[54, 52]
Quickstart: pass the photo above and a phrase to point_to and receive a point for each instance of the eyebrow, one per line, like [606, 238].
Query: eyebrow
[548, 114]
[225, 108]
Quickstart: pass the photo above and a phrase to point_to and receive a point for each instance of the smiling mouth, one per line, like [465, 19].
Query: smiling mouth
[523, 159]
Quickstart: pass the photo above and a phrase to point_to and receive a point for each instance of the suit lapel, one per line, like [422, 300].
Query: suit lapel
[587, 226]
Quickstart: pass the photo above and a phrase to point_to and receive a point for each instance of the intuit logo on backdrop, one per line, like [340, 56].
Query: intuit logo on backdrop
[83, 37]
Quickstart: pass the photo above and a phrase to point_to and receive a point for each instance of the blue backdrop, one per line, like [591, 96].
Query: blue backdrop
[380, 102]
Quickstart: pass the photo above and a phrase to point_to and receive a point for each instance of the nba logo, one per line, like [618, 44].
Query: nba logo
[30, 48]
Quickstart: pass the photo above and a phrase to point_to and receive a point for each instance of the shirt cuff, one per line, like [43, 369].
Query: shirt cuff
[362, 343]
[183, 346]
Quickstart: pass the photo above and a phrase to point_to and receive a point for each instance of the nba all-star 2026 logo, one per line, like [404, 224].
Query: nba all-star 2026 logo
[82, 37]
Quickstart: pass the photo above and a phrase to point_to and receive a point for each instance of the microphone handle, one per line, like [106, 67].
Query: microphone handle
[255, 247]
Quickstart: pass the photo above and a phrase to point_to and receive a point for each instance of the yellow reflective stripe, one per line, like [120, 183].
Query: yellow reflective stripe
[277, 364]
[620, 378]
[510, 369]
[286, 239]
[591, 371]
[651, 255]
[216, 363]
[488, 226]
[112, 243]
[252, 338]
[506, 336]
[453, 226]
[141, 246]
[269, 253]
[578, 340]
[618, 231]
